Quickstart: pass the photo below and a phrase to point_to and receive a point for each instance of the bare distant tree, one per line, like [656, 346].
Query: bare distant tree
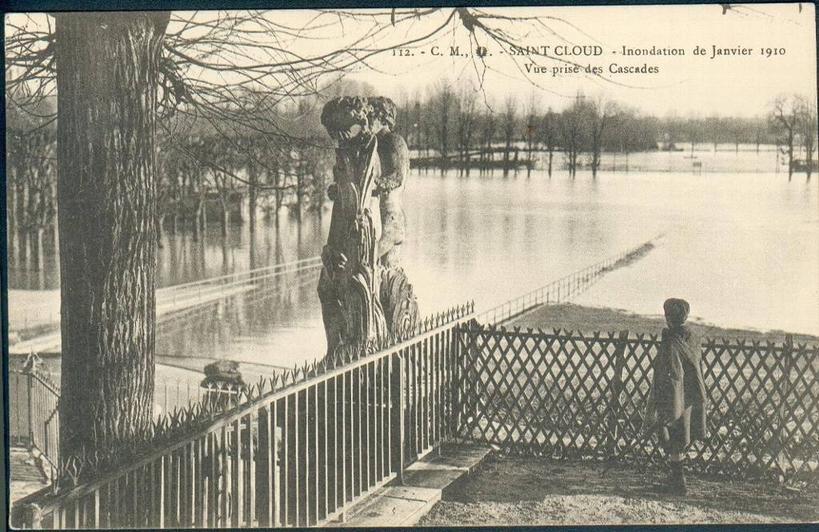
[488, 129]
[531, 132]
[601, 112]
[549, 136]
[784, 119]
[806, 126]
[466, 126]
[443, 105]
[510, 109]
[715, 126]
[572, 133]
[31, 181]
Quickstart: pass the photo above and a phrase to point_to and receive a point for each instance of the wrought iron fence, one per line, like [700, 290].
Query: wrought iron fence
[567, 394]
[33, 419]
[298, 455]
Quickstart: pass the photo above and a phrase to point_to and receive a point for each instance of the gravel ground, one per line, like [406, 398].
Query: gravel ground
[530, 491]
[588, 319]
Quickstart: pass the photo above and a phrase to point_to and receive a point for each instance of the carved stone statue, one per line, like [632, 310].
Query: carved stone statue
[394, 156]
[365, 297]
[400, 306]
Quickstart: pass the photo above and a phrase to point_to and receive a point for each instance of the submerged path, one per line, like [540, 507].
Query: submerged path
[34, 321]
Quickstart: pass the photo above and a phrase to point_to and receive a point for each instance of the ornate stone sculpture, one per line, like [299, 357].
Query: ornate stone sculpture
[365, 296]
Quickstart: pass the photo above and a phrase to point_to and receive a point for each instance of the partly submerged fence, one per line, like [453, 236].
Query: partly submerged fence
[567, 394]
[184, 295]
[295, 456]
[33, 419]
[563, 289]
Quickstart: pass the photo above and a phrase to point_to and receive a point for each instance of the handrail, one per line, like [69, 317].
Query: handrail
[210, 285]
[536, 295]
[231, 416]
[312, 261]
[174, 298]
[39, 411]
[46, 383]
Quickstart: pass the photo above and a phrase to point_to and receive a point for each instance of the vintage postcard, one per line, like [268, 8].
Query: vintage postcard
[417, 266]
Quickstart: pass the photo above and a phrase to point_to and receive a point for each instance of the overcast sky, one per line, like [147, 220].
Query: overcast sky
[741, 85]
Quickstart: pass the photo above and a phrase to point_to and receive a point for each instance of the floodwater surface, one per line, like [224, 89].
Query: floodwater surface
[743, 248]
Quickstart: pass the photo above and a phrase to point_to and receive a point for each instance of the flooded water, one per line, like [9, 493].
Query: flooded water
[743, 248]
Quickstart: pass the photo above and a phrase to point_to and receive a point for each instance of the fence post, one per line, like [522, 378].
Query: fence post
[616, 389]
[397, 401]
[30, 406]
[784, 390]
[455, 384]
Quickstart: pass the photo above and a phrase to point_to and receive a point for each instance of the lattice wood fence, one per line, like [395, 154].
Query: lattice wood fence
[567, 394]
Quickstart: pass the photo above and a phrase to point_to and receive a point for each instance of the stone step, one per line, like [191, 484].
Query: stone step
[424, 483]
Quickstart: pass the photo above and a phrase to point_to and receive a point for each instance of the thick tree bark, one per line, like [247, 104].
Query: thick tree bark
[107, 93]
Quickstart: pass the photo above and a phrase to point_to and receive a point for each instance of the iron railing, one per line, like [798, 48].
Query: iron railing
[297, 456]
[33, 419]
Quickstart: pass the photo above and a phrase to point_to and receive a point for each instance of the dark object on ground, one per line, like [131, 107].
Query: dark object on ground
[223, 372]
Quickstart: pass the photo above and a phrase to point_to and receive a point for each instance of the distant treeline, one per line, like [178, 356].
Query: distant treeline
[452, 124]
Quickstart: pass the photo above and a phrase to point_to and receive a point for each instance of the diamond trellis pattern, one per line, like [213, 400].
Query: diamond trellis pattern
[570, 394]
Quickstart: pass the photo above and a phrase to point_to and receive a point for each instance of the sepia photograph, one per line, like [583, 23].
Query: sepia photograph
[410, 266]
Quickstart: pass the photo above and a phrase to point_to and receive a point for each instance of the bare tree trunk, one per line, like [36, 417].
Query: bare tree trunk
[299, 186]
[36, 247]
[56, 233]
[197, 220]
[225, 217]
[252, 200]
[22, 219]
[790, 156]
[551, 154]
[11, 216]
[203, 214]
[277, 207]
[160, 230]
[107, 93]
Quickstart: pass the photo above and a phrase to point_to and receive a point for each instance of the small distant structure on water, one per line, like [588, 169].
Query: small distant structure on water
[802, 165]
